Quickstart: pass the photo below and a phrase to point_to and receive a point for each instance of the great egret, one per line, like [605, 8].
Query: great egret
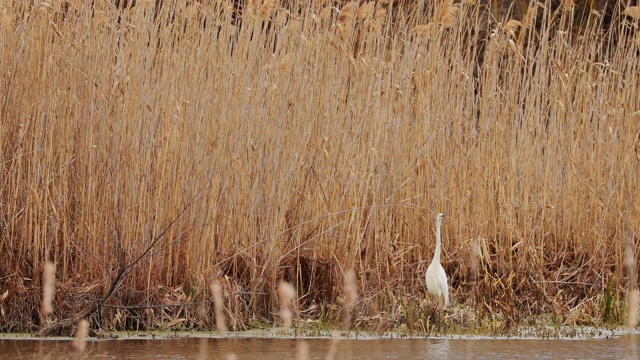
[435, 277]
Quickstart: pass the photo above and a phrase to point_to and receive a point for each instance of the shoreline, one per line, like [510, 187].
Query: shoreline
[584, 333]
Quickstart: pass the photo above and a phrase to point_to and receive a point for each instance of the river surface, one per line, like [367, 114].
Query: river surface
[617, 347]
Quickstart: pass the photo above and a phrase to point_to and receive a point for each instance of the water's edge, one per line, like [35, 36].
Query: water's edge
[568, 333]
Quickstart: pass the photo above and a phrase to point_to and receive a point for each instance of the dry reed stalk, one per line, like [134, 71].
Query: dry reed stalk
[333, 347]
[251, 4]
[530, 16]
[633, 298]
[286, 294]
[80, 340]
[48, 288]
[474, 268]
[633, 295]
[216, 290]
[634, 307]
[303, 350]
[7, 21]
[350, 295]
[203, 349]
[475, 259]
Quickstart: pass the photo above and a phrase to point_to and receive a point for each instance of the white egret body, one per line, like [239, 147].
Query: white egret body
[435, 277]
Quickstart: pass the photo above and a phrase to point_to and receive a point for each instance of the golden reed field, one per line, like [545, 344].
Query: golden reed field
[150, 154]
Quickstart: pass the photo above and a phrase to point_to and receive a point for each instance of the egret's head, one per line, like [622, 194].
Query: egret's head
[440, 216]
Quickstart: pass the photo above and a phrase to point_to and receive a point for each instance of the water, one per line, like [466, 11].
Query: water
[280, 349]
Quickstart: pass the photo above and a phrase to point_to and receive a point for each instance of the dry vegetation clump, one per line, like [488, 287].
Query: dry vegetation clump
[153, 151]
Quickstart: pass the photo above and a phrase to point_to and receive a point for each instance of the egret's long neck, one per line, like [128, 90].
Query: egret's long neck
[436, 254]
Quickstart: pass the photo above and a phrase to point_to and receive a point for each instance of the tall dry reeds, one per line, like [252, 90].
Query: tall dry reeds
[326, 138]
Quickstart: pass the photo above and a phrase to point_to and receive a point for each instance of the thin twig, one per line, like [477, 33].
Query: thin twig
[127, 269]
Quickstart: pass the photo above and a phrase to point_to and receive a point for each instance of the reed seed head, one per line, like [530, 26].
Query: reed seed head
[568, 5]
[447, 13]
[632, 11]
[420, 30]
[265, 9]
[346, 14]
[366, 10]
[512, 26]
[379, 20]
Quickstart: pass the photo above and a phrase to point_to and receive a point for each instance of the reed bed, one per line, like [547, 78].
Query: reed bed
[150, 152]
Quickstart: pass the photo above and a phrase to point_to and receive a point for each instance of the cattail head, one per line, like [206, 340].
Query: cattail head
[216, 290]
[80, 340]
[286, 294]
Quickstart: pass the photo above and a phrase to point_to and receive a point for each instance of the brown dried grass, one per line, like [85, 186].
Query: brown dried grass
[319, 151]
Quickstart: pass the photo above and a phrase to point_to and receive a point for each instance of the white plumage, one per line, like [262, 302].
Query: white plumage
[435, 277]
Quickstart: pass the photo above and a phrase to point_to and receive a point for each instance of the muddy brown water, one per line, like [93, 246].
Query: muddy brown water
[623, 347]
